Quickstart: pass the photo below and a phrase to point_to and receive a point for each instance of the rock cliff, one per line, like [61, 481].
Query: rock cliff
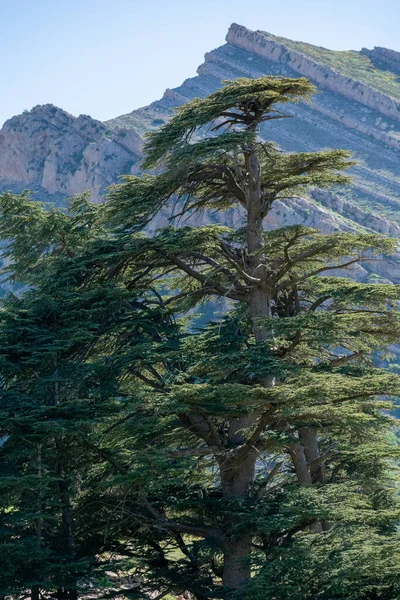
[59, 155]
[270, 48]
[384, 58]
[357, 108]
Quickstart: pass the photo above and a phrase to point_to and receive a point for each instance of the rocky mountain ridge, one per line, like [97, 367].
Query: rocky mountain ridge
[271, 48]
[357, 108]
[50, 151]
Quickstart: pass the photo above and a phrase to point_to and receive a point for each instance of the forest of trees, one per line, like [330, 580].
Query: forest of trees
[147, 451]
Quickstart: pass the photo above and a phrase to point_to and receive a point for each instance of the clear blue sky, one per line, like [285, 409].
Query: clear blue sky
[107, 57]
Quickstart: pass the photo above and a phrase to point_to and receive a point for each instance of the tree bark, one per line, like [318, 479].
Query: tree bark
[70, 592]
[237, 567]
[305, 457]
[308, 437]
[238, 465]
[237, 469]
[35, 591]
[300, 463]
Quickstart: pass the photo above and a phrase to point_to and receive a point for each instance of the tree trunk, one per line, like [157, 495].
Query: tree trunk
[308, 437]
[305, 457]
[236, 571]
[238, 465]
[69, 593]
[35, 593]
[260, 311]
[300, 463]
[237, 474]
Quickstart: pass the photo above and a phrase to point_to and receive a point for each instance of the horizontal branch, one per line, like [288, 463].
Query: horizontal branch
[207, 281]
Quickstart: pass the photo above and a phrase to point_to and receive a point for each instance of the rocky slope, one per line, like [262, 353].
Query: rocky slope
[357, 107]
[361, 115]
[59, 155]
[384, 58]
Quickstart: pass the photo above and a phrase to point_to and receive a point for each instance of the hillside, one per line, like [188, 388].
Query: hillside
[347, 113]
[49, 151]
[357, 108]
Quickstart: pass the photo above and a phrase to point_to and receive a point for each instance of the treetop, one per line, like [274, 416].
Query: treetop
[242, 102]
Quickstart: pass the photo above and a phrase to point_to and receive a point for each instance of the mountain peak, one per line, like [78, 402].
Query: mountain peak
[49, 150]
[357, 108]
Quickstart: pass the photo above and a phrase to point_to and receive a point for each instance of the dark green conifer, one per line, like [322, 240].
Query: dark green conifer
[248, 458]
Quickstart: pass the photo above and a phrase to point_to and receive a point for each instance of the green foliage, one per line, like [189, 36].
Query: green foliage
[237, 102]
[344, 564]
[145, 455]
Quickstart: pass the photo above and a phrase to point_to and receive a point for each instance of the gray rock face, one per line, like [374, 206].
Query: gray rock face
[264, 45]
[59, 155]
[384, 58]
[49, 150]
[346, 113]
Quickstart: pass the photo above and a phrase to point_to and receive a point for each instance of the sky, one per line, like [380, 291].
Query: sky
[107, 57]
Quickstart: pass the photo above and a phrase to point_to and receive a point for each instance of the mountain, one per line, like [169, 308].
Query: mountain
[49, 151]
[357, 108]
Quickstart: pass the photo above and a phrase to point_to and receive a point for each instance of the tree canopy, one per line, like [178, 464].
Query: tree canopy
[149, 452]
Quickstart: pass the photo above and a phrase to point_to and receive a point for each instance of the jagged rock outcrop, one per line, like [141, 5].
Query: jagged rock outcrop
[49, 150]
[384, 58]
[264, 45]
